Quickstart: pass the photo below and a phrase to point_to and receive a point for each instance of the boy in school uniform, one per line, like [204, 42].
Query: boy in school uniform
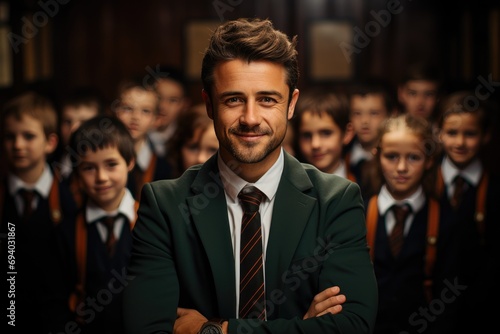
[77, 107]
[137, 108]
[172, 90]
[94, 245]
[419, 91]
[321, 127]
[468, 191]
[370, 104]
[32, 204]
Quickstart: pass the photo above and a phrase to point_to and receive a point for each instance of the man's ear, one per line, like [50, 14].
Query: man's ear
[52, 141]
[293, 102]
[208, 103]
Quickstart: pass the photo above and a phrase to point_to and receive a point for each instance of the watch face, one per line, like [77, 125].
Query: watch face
[211, 329]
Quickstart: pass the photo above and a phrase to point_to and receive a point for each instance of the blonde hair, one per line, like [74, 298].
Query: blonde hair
[416, 126]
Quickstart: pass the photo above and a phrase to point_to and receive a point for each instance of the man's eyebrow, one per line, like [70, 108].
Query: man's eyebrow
[230, 93]
[259, 93]
[270, 92]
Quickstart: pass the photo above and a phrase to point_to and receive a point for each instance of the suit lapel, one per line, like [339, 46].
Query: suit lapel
[209, 212]
[291, 212]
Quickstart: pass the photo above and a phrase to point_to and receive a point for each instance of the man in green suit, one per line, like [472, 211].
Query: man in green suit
[184, 274]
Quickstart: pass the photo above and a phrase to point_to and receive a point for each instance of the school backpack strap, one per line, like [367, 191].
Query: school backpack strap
[431, 246]
[480, 213]
[55, 200]
[76, 191]
[78, 294]
[136, 207]
[371, 224]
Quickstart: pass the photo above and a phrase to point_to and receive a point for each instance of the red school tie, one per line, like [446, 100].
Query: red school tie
[456, 198]
[109, 223]
[396, 237]
[28, 196]
[252, 299]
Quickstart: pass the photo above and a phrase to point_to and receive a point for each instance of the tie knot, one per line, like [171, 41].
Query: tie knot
[109, 222]
[401, 212]
[459, 180]
[27, 195]
[250, 198]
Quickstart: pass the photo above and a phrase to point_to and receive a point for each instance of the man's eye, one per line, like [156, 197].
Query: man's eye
[233, 100]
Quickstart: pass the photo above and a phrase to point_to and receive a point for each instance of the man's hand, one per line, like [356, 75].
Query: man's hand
[188, 321]
[327, 301]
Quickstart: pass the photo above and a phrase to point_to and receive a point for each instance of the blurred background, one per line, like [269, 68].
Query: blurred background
[54, 46]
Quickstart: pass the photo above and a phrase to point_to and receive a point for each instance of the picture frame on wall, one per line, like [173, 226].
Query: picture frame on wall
[197, 34]
[330, 43]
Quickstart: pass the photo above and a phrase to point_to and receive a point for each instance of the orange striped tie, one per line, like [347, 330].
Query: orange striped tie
[252, 299]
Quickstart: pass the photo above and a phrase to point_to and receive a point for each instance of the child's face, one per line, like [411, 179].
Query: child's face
[367, 112]
[321, 141]
[71, 119]
[419, 97]
[403, 162]
[26, 145]
[103, 176]
[201, 147]
[172, 102]
[137, 111]
[462, 138]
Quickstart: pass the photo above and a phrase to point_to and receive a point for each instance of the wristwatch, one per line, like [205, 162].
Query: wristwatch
[213, 326]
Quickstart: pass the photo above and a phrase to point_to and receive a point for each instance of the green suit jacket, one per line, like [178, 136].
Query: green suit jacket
[182, 254]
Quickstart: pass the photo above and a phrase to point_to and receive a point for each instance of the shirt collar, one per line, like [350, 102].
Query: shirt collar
[144, 155]
[358, 153]
[341, 170]
[385, 200]
[268, 183]
[472, 173]
[127, 208]
[42, 186]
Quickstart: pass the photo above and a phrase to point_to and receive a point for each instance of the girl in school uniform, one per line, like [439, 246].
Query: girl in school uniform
[404, 231]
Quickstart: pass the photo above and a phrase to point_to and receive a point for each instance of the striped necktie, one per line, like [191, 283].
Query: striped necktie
[459, 183]
[396, 237]
[109, 223]
[252, 298]
[27, 196]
